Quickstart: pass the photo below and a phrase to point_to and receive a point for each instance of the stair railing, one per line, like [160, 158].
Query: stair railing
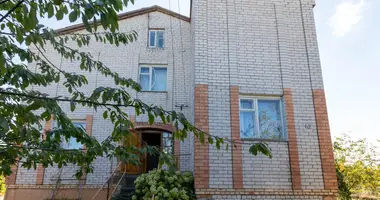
[117, 185]
[96, 194]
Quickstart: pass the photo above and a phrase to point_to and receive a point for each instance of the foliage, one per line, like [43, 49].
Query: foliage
[2, 185]
[24, 109]
[358, 167]
[164, 184]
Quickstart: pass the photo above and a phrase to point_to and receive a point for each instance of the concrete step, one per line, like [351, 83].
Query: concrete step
[126, 188]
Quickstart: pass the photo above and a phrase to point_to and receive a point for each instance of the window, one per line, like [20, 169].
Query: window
[167, 142]
[72, 142]
[153, 78]
[261, 118]
[156, 38]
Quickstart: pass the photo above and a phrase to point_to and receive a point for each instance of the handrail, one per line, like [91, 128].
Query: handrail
[96, 194]
[117, 185]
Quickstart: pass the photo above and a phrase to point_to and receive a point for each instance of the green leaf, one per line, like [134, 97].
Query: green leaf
[50, 10]
[217, 144]
[150, 118]
[202, 137]
[253, 150]
[57, 2]
[210, 140]
[19, 35]
[105, 114]
[72, 106]
[85, 22]
[73, 16]
[59, 15]
[2, 63]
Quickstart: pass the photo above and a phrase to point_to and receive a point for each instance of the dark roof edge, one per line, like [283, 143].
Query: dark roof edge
[126, 15]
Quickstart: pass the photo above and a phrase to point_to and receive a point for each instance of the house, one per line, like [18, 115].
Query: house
[245, 70]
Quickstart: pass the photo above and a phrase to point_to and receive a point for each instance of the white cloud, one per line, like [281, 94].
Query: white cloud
[347, 15]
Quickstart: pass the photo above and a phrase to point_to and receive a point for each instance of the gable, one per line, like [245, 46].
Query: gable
[127, 15]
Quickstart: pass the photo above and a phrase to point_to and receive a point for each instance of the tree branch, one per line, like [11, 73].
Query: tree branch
[118, 105]
[64, 99]
[11, 10]
[4, 1]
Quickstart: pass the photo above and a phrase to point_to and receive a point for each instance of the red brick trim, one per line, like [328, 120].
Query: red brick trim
[40, 171]
[325, 144]
[201, 155]
[89, 120]
[292, 137]
[177, 152]
[11, 180]
[237, 166]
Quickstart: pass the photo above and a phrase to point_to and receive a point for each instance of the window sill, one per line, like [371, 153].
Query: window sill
[156, 48]
[264, 140]
[160, 92]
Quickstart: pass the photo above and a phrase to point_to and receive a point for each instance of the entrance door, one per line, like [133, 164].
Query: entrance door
[151, 139]
[132, 140]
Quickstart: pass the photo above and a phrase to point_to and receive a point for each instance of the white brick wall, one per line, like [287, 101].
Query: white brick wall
[267, 173]
[25, 176]
[260, 47]
[126, 61]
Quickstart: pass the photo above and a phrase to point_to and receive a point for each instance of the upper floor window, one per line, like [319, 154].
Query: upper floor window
[156, 38]
[153, 78]
[261, 118]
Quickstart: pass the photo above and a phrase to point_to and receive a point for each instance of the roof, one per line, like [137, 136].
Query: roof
[126, 15]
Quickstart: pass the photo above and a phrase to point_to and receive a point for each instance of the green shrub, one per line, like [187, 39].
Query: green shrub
[2, 185]
[160, 184]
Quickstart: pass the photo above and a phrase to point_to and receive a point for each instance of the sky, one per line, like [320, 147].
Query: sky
[348, 37]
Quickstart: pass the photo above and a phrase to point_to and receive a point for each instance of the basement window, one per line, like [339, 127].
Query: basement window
[261, 118]
[156, 39]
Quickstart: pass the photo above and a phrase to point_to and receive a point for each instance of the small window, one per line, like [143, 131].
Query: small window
[72, 143]
[153, 78]
[156, 38]
[261, 118]
[167, 142]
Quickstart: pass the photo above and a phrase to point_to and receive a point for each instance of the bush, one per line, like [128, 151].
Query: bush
[2, 185]
[162, 184]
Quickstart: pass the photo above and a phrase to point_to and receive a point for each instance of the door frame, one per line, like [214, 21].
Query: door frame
[144, 159]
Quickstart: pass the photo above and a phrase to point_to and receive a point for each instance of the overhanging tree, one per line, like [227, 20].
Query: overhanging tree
[23, 111]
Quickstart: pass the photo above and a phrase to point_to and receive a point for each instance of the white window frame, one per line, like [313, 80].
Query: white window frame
[255, 108]
[155, 38]
[79, 121]
[151, 77]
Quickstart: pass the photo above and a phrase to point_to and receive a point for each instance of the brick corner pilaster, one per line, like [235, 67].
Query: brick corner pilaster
[89, 120]
[292, 139]
[237, 166]
[40, 175]
[11, 180]
[325, 144]
[201, 151]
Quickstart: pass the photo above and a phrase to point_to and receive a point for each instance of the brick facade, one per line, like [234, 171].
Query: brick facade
[212, 61]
